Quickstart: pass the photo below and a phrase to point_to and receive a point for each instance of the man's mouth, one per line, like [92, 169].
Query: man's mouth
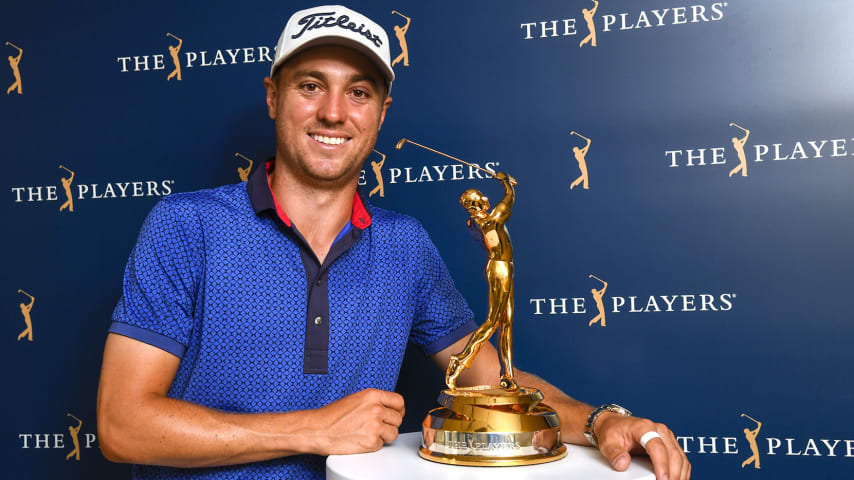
[329, 140]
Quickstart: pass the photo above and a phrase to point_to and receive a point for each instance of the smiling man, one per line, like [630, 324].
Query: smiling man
[262, 325]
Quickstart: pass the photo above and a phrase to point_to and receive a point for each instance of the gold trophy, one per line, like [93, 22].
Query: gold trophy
[490, 425]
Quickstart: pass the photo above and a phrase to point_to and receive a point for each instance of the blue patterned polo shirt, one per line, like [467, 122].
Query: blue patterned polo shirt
[223, 280]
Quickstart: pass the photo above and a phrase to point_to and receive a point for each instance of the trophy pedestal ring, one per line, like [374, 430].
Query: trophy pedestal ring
[490, 426]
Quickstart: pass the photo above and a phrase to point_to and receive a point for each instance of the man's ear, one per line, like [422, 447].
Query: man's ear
[272, 95]
[384, 107]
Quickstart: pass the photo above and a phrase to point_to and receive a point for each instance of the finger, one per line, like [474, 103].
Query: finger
[392, 400]
[616, 454]
[685, 474]
[392, 417]
[658, 455]
[388, 433]
[680, 467]
[674, 453]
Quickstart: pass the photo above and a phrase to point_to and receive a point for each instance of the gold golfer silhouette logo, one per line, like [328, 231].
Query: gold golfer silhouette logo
[243, 173]
[25, 311]
[738, 144]
[400, 33]
[588, 17]
[173, 51]
[597, 297]
[377, 167]
[14, 63]
[66, 185]
[751, 440]
[581, 158]
[75, 432]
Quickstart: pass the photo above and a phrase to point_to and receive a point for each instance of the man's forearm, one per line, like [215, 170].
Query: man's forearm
[170, 432]
[572, 413]
[138, 423]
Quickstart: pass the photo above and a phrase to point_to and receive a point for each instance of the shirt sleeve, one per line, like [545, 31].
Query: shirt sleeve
[162, 278]
[442, 315]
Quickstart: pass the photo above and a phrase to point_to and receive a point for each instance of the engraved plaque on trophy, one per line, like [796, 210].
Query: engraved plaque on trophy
[490, 425]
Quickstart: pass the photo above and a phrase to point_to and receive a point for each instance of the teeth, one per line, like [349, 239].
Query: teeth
[329, 140]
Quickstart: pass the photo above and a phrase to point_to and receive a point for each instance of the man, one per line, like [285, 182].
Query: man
[262, 324]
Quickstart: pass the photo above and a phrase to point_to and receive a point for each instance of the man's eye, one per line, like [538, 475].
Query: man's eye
[360, 93]
[310, 87]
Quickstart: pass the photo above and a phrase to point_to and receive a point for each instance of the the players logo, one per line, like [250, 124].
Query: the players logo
[400, 33]
[591, 27]
[243, 173]
[70, 191]
[66, 186]
[173, 52]
[581, 157]
[598, 294]
[738, 144]
[26, 308]
[718, 155]
[14, 64]
[377, 168]
[422, 174]
[751, 435]
[75, 433]
[631, 304]
[619, 22]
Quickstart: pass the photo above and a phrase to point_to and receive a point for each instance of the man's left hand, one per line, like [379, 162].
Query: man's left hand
[619, 435]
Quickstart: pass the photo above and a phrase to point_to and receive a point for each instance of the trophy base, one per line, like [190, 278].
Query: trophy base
[489, 426]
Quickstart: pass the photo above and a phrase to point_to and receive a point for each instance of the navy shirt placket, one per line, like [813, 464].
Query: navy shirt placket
[316, 357]
[316, 352]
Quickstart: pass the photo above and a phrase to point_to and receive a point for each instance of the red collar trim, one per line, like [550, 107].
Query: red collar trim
[360, 218]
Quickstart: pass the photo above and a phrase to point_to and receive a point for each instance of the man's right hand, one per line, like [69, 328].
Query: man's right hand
[361, 422]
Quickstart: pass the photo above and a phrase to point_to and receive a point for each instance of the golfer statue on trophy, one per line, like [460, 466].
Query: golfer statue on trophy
[499, 276]
[488, 425]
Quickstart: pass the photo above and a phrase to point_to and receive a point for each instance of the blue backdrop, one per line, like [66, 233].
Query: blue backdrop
[726, 294]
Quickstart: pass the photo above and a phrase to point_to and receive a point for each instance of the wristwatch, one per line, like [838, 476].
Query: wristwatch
[591, 419]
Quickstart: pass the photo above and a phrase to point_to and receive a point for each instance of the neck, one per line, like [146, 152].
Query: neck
[319, 213]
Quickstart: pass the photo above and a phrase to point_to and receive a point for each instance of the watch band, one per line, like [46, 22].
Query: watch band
[591, 419]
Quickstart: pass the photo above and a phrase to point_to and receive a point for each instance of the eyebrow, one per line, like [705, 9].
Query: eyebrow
[356, 77]
[364, 78]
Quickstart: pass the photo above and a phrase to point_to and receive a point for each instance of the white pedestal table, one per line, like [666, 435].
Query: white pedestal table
[400, 460]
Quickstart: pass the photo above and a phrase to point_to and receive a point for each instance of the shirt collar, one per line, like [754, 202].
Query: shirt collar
[262, 199]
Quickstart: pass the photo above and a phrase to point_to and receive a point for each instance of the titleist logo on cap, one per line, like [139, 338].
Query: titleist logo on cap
[316, 20]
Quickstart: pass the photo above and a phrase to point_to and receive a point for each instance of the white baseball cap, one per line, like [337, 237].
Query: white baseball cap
[334, 25]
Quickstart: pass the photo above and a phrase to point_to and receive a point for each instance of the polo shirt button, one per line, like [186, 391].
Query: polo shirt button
[318, 320]
[318, 282]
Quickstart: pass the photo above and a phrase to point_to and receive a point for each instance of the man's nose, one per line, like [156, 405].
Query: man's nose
[334, 107]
